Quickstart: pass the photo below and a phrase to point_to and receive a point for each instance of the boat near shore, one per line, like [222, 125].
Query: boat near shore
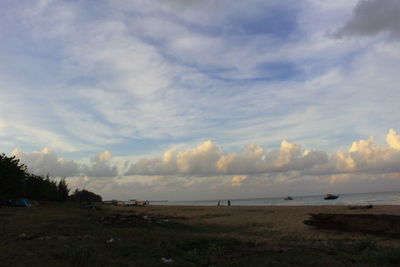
[331, 196]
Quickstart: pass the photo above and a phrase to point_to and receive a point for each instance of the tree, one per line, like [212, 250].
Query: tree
[12, 177]
[51, 190]
[16, 182]
[35, 187]
[41, 188]
[63, 190]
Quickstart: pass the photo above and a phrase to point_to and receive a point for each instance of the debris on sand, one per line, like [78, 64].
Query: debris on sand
[39, 236]
[22, 236]
[135, 220]
[379, 224]
[111, 240]
[167, 260]
[121, 219]
[361, 207]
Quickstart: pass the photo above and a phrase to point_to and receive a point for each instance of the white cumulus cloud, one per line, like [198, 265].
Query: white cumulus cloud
[100, 166]
[199, 161]
[48, 162]
[208, 159]
[393, 139]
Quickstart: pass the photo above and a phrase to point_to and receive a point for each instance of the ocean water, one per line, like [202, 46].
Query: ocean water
[382, 198]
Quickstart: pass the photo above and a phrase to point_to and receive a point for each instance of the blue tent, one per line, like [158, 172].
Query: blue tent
[21, 202]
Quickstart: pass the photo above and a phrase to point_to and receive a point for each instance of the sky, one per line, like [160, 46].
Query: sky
[211, 99]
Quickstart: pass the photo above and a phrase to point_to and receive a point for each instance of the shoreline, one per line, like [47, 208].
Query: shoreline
[370, 198]
[261, 206]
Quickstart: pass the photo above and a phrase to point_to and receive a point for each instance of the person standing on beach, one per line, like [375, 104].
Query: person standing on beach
[229, 202]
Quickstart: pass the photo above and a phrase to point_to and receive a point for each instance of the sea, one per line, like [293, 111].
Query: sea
[381, 198]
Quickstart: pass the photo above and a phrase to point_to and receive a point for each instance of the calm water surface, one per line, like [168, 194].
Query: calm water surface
[386, 198]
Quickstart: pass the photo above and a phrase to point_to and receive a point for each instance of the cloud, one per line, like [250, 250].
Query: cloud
[207, 159]
[393, 139]
[373, 159]
[100, 166]
[253, 160]
[199, 161]
[47, 162]
[372, 17]
[207, 171]
[238, 179]
[155, 72]
[151, 74]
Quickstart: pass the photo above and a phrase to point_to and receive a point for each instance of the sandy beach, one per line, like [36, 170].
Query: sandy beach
[272, 222]
[284, 219]
[74, 235]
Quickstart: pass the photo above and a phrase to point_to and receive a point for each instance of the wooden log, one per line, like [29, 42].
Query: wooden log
[388, 225]
[361, 207]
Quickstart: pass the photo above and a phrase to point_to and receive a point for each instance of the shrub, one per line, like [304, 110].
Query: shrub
[83, 195]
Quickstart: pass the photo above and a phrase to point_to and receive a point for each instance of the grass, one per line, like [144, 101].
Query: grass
[62, 235]
[365, 251]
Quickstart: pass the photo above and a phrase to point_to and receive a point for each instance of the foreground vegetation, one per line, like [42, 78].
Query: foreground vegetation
[72, 235]
[17, 182]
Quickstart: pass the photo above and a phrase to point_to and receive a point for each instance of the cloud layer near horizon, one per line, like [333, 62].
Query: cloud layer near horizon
[46, 162]
[208, 159]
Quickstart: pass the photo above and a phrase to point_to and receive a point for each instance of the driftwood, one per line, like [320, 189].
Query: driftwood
[388, 225]
[361, 207]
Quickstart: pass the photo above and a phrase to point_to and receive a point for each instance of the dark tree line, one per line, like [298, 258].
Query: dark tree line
[12, 177]
[17, 182]
[43, 188]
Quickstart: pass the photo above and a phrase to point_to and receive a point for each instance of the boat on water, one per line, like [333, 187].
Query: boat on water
[288, 198]
[331, 196]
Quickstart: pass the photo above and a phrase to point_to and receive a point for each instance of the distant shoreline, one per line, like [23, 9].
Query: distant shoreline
[374, 198]
[270, 206]
[279, 197]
